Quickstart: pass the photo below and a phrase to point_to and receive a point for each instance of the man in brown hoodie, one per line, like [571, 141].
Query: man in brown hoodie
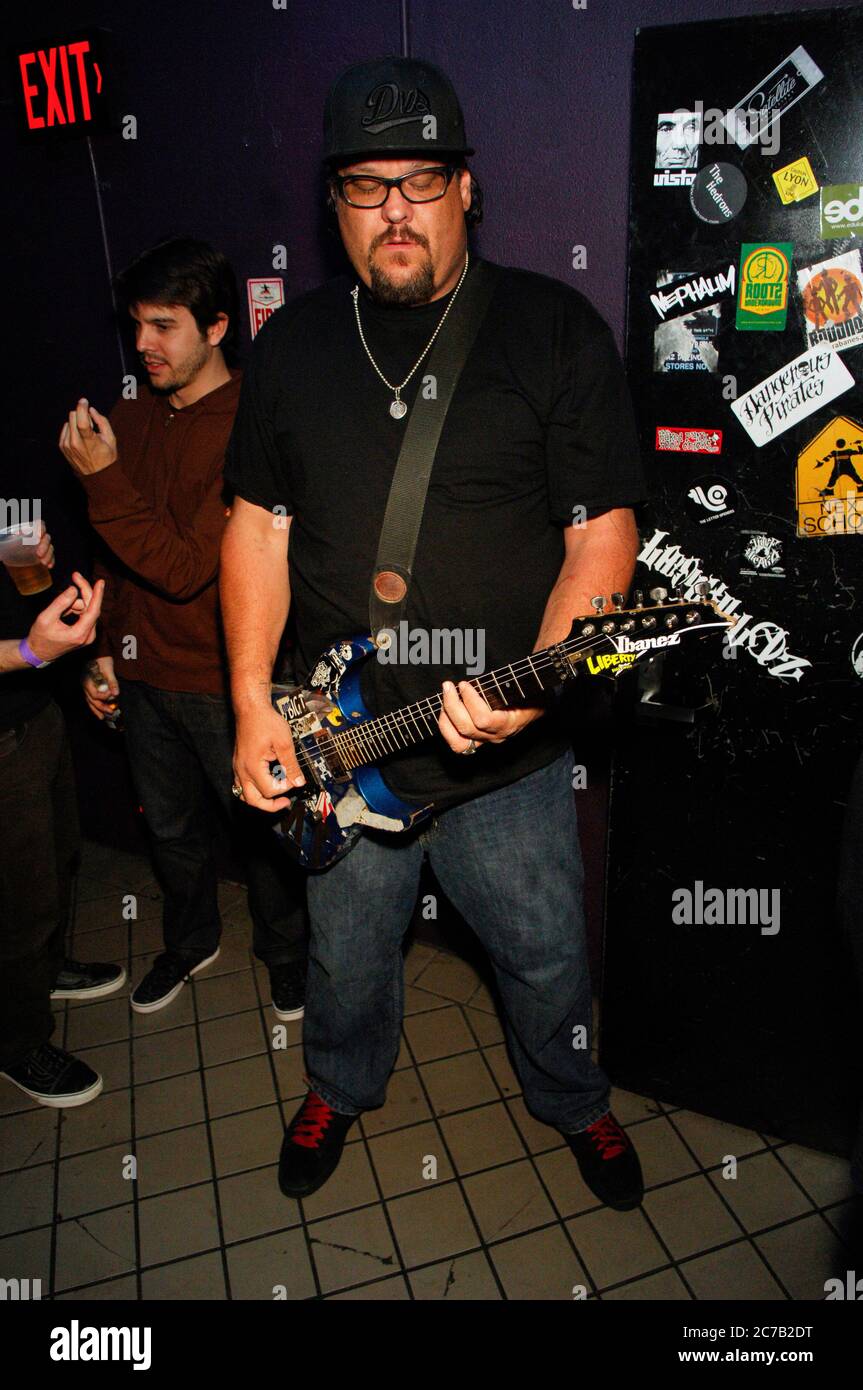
[153, 477]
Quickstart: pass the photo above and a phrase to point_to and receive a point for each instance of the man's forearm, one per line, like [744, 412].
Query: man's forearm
[255, 598]
[601, 560]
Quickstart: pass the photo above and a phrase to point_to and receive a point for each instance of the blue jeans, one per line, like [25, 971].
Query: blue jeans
[180, 747]
[510, 862]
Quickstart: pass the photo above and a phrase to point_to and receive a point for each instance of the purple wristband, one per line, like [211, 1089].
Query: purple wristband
[25, 650]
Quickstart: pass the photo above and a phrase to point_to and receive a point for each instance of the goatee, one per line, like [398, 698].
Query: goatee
[418, 289]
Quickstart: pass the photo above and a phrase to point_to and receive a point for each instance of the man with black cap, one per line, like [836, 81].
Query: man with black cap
[527, 516]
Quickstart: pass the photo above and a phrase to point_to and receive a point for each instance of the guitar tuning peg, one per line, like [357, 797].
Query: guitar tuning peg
[598, 603]
[618, 601]
[659, 595]
[638, 596]
[703, 588]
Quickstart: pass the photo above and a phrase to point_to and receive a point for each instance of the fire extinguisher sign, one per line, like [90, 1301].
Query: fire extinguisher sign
[265, 297]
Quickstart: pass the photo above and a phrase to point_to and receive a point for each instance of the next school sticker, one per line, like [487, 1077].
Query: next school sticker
[762, 296]
[265, 297]
[829, 482]
[796, 181]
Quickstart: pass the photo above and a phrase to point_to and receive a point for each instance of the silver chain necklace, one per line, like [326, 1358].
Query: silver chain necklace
[398, 409]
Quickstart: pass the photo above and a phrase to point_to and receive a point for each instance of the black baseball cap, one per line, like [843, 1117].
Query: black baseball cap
[392, 107]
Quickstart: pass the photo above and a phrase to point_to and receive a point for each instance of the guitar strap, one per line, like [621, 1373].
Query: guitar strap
[392, 573]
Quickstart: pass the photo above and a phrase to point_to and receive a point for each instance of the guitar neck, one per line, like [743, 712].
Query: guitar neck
[624, 636]
[516, 684]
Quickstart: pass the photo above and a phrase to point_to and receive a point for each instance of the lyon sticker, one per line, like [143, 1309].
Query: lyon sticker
[796, 181]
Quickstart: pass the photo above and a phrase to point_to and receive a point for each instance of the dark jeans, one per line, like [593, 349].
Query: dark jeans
[180, 747]
[38, 843]
[510, 862]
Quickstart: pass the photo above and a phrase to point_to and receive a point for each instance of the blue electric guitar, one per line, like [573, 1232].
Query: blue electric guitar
[338, 741]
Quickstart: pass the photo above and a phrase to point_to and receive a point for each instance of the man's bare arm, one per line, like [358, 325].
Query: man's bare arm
[255, 597]
[600, 559]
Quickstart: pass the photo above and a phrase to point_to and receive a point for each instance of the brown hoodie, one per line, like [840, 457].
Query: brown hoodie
[160, 510]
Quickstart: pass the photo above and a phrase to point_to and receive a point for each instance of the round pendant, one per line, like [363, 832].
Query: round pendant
[398, 409]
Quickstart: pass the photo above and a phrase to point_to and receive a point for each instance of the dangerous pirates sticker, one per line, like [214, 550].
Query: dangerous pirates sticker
[829, 481]
[797, 390]
[762, 300]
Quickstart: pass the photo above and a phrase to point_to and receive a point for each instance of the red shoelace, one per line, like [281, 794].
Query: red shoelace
[311, 1123]
[608, 1137]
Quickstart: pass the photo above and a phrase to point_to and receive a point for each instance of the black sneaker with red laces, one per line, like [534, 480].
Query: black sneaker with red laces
[312, 1146]
[609, 1163]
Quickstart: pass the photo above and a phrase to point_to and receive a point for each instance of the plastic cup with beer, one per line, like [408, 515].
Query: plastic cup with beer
[17, 553]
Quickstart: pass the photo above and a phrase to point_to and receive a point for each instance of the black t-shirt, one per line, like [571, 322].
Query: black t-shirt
[540, 423]
[22, 693]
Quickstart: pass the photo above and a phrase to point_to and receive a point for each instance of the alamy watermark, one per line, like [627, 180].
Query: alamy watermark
[435, 646]
[727, 907]
[22, 513]
[713, 126]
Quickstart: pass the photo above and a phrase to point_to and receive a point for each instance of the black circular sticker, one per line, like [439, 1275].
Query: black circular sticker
[718, 193]
[710, 499]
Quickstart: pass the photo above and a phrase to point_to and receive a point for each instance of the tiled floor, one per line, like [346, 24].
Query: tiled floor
[451, 1190]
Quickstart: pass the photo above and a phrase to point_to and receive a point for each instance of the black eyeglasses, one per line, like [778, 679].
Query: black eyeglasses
[418, 186]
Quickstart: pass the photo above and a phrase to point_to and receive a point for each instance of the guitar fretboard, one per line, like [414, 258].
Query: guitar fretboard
[508, 685]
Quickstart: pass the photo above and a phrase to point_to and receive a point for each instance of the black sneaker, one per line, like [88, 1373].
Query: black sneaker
[312, 1146]
[609, 1163]
[87, 980]
[288, 988]
[164, 980]
[54, 1077]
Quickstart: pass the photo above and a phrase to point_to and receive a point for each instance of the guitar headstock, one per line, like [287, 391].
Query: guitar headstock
[615, 638]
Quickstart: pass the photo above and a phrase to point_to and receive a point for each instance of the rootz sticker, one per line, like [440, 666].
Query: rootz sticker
[762, 301]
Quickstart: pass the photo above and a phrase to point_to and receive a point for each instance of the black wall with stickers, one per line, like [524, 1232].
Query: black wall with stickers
[733, 762]
[227, 99]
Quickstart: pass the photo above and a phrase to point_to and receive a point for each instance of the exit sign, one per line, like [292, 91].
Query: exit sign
[62, 85]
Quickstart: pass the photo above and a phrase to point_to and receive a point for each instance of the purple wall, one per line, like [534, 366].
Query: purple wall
[228, 100]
